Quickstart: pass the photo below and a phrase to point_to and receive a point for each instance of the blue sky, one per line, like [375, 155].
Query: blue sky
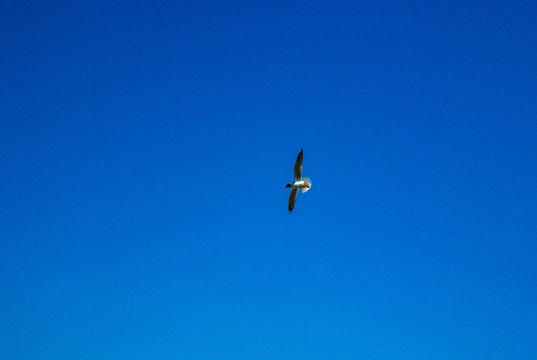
[145, 147]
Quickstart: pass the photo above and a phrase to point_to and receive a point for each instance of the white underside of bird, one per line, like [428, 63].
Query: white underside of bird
[304, 184]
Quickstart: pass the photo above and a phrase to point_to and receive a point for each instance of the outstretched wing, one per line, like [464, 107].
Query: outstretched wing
[292, 198]
[298, 167]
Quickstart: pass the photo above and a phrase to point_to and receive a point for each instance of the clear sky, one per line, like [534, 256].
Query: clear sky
[145, 147]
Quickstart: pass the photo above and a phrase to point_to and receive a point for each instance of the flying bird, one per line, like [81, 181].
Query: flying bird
[299, 182]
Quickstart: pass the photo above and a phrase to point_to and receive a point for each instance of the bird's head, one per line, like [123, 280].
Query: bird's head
[288, 185]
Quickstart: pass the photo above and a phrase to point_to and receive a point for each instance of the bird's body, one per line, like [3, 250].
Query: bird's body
[303, 183]
[299, 185]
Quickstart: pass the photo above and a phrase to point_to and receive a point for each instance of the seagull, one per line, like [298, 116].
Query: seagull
[299, 183]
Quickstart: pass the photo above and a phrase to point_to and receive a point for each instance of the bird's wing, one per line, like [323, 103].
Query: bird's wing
[292, 198]
[298, 167]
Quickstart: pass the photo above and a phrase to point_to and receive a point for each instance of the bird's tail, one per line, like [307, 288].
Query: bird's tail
[308, 182]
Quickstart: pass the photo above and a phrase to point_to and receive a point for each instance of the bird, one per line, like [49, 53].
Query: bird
[299, 182]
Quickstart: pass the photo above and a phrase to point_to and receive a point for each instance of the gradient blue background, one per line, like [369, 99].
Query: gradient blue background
[145, 147]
